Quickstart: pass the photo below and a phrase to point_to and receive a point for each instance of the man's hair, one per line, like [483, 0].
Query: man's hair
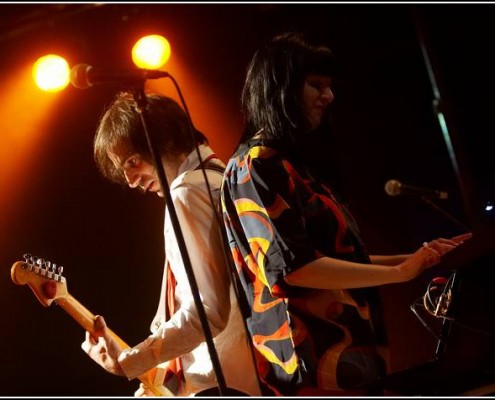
[120, 131]
[271, 97]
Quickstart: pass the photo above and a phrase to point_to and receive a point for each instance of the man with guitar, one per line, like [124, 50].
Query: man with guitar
[177, 339]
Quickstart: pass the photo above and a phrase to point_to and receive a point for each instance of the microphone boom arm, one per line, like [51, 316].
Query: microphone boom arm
[445, 214]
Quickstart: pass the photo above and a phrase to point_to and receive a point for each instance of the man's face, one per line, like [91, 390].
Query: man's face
[138, 172]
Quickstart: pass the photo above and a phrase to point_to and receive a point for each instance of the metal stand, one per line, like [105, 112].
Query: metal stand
[141, 100]
[441, 111]
[451, 218]
[447, 323]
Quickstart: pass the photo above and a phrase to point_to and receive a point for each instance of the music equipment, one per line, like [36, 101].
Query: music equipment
[48, 285]
[464, 363]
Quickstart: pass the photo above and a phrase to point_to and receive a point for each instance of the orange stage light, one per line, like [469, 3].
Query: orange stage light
[51, 73]
[151, 52]
[24, 115]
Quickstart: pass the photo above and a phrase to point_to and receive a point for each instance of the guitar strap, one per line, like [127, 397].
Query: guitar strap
[171, 283]
[174, 378]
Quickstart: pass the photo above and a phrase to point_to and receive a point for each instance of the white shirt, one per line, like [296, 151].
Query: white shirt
[182, 335]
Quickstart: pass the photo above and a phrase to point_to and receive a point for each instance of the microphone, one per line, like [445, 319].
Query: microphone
[395, 188]
[83, 76]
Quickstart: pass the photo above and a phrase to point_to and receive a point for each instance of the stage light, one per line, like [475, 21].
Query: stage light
[51, 73]
[151, 52]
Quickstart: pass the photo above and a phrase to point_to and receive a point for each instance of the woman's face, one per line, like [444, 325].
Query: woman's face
[316, 96]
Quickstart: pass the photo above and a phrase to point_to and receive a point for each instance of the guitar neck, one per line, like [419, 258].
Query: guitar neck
[152, 379]
[84, 317]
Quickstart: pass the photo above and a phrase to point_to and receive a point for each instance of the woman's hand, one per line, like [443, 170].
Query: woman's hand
[429, 255]
[102, 348]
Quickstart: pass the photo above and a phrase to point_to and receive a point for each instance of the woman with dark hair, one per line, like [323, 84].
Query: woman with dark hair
[302, 263]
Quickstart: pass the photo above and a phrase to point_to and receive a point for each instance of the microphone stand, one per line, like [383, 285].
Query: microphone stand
[141, 100]
[445, 213]
[442, 112]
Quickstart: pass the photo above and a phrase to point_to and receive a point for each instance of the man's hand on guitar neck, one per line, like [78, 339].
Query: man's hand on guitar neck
[102, 348]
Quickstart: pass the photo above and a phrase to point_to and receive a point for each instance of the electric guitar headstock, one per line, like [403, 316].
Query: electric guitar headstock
[43, 277]
[46, 281]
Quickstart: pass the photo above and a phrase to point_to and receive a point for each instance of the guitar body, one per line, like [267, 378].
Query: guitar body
[48, 285]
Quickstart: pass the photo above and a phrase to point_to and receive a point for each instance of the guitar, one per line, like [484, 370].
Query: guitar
[47, 283]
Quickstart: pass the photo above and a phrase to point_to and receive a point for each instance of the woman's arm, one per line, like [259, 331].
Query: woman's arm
[389, 259]
[332, 273]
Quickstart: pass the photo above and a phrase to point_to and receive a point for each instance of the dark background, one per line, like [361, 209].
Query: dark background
[55, 205]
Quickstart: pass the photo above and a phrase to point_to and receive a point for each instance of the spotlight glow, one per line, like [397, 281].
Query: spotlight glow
[51, 73]
[151, 52]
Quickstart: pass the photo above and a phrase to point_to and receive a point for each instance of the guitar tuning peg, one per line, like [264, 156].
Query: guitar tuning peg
[42, 266]
[27, 257]
[60, 270]
[50, 271]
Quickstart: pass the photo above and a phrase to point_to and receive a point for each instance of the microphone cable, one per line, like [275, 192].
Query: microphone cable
[234, 277]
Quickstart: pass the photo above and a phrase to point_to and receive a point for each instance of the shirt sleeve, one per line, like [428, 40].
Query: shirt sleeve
[263, 198]
[183, 332]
